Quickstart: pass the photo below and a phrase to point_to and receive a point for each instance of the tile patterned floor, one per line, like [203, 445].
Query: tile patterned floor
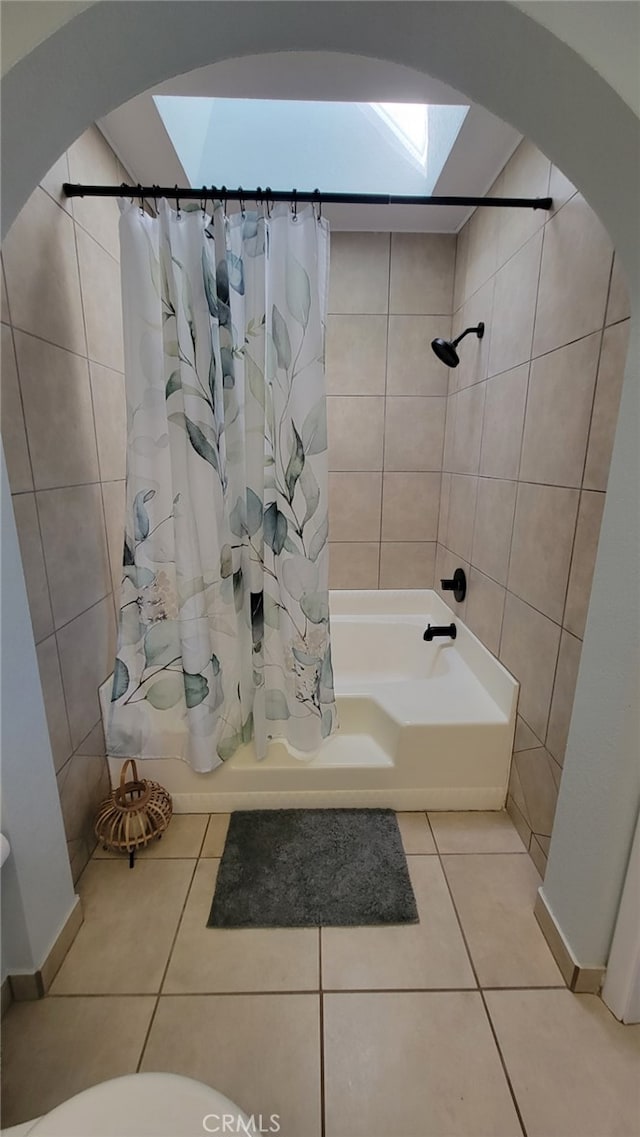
[457, 1027]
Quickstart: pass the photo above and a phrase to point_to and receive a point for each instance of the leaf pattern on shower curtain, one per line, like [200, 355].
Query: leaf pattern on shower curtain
[224, 618]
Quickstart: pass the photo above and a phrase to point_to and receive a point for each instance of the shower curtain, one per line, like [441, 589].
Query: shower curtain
[224, 618]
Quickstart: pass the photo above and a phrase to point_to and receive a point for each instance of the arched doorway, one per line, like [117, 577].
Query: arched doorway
[523, 73]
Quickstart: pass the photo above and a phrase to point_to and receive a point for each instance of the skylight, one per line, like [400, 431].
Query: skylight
[397, 148]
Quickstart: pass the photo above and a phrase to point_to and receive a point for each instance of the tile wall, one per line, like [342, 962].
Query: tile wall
[63, 429]
[531, 414]
[389, 296]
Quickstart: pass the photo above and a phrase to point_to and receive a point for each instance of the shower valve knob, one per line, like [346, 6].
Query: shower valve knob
[457, 585]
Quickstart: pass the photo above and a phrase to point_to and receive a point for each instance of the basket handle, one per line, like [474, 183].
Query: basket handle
[134, 772]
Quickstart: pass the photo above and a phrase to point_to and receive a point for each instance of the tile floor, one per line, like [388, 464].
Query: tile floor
[457, 1027]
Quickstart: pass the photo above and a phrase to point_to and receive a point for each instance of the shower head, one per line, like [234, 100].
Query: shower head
[446, 349]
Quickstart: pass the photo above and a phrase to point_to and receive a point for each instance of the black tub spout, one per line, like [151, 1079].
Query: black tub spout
[447, 630]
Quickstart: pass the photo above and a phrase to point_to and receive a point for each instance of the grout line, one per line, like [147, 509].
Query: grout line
[480, 991]
[561, 986]
[384, 409]
[321, 1011]
[164, 973]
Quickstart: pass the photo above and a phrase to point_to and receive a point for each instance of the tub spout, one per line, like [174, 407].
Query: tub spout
[447, 630]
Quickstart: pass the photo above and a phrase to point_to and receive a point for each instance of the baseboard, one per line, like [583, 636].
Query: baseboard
[34, 985]
[582, 980]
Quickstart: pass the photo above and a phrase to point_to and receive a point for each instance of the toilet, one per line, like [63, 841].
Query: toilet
[140, 1105]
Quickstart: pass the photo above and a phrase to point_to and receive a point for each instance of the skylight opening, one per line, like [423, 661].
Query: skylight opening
[410, 124]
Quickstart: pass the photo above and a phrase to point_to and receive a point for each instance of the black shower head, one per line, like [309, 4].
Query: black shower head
[446, 349]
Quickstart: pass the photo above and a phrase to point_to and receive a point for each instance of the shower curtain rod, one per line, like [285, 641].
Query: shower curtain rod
[215, 193]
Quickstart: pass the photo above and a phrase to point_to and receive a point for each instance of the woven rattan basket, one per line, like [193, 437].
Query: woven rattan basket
[137, 813]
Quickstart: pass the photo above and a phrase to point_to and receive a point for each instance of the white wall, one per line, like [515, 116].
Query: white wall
[37, 893]
[520, 71]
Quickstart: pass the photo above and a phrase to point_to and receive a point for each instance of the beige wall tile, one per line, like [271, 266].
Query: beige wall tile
[58, 413]
[558, 413]
[563, 692]
[356, 355]
[110, 411]
[537, 854]
[574, 278]
[359, 277]
[448, 453]
[355, 502]
[535, 770]
[14, 435]
[473, 352]
[446, 564]
[83, 783]
[422, 266]
[560, 188]
[353, 564]
[87, 648]
[412, 367]
[54, 179]
[448, 1081]
[586, 1063]
[101, 298]
[54, 705]
[484, 610]
[482, 249]
[460, 275]
[41, 267]
[407, 564]
[529, 649]
[583, 561]
[410, 506]
[356, 433]
[78, 1043]
[543, 532]
[526, 174]
[113, 498]
[494, 894]
[503, 422]
[27, 525]
[514, 306]
[618, 306]
[604, 420]
[75, 549]
[443, 516]
[462, 508]
[414, 433]
[524, 739]
[516, 816]
[91, 159]
[493, 527]
[467, 441]
[4, 302]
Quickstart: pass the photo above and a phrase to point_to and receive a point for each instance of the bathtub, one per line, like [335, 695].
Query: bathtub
[422, 725]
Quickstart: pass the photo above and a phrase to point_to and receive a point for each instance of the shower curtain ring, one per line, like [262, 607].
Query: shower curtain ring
[155, 198]
[178, 215]
[318, 203]
[140, 195]
[241, 200]
[268, 201]
[203, 202]
[294, 204]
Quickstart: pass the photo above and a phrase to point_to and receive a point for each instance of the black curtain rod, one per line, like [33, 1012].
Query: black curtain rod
[215, 193]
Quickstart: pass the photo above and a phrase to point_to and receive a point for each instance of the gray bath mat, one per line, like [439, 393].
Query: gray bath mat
[298, 868]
